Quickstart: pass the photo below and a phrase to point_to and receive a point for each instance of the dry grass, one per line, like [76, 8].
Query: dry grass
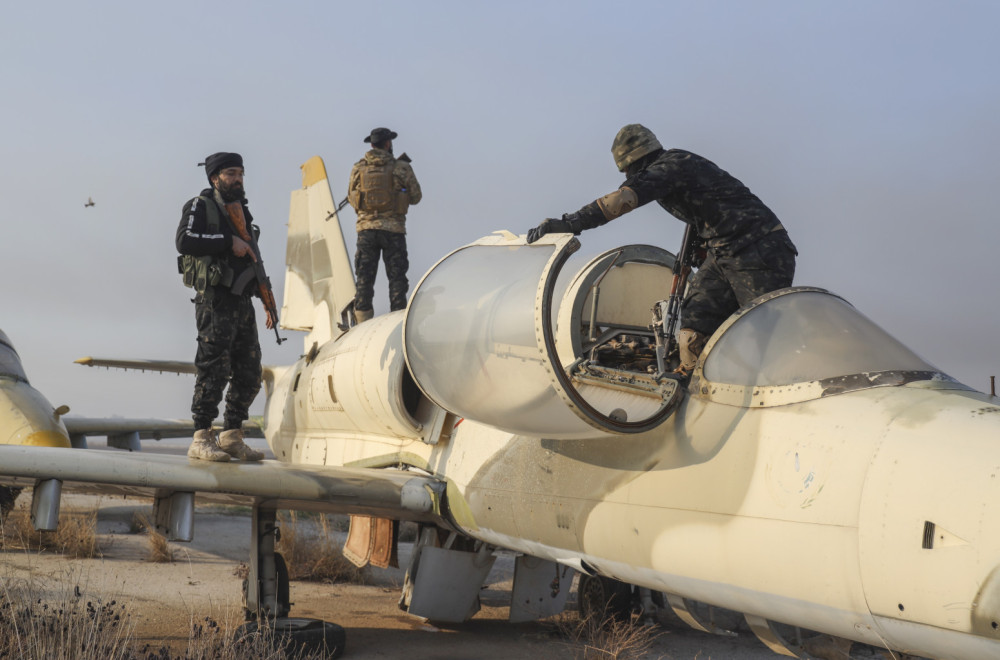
[159, 551]
[70, 627]
[312, 553]
[36, 624]
[242, 570]
[607, 639]
[139, 522]
[75, 537]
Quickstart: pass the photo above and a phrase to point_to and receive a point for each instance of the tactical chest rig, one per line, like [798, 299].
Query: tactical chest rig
[376, 192]
[203, 273]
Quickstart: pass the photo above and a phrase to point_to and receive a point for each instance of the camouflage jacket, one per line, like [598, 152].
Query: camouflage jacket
[727, 216]
[406, 186]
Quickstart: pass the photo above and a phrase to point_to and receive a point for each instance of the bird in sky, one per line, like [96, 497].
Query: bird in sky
[90, 202]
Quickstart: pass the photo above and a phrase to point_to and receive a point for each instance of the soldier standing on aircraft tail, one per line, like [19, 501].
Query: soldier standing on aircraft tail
[749, 253]
[381, 190]
[212, 257]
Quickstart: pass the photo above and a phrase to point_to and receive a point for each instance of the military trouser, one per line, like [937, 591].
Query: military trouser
[723, 284]
[392, 245]
[228, 352]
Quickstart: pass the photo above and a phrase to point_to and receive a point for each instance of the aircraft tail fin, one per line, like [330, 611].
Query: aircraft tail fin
[319, 279]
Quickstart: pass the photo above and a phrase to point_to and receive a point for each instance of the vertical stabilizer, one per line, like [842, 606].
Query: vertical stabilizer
[319, 280]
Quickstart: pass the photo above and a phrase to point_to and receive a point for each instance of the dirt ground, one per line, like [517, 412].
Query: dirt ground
[167, 599]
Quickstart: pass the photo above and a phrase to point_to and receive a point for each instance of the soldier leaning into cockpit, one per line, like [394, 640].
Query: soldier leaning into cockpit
[749, 252]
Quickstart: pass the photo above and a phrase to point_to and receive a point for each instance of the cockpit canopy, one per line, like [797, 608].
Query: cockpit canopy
[490, 337]
[10, 363]
[805, 335]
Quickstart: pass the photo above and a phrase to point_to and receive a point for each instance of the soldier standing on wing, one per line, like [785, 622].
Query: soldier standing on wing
[212, 257]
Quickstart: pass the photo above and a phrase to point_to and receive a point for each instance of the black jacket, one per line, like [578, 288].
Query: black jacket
[194, 238]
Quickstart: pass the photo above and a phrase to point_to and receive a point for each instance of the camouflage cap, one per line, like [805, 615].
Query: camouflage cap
[632, 143]
[380, 135]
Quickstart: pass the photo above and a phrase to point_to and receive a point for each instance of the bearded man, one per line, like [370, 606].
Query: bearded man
[212, 258]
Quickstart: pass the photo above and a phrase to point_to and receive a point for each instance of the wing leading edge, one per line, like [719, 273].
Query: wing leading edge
[364, 491]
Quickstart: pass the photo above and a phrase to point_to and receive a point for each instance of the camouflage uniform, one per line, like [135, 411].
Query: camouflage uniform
[749, 252]
[228, 352]
[392, 245]
[724, 283]
[382, 232]
[228, 348]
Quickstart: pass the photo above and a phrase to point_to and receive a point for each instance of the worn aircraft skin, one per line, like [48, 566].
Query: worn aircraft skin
[814, 473]
[853, 491]
[26, 416]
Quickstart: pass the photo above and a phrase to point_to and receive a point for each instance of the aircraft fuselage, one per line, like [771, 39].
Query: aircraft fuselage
[767, 511]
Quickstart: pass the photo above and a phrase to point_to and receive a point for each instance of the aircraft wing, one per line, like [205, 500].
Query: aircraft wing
[147, 428]
[364, 491]
[169, 366]
[159, 366]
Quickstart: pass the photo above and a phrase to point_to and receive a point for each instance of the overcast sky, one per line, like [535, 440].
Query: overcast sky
[871, 129]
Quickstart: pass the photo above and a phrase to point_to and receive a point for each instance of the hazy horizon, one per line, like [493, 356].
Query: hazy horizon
[870, 129]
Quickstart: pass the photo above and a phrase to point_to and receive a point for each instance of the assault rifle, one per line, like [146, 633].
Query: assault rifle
[235, 211]
[667, 312]
[341, 205]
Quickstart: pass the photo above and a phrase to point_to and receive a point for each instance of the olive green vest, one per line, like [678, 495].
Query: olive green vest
[202, 273]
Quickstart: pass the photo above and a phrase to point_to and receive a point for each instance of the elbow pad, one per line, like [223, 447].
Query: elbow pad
[618, 203]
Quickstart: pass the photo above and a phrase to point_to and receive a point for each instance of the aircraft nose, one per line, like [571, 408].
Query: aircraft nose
[46, 438]
[27, 418]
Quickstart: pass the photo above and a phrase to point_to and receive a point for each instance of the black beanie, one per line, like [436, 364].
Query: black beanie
[220, 161]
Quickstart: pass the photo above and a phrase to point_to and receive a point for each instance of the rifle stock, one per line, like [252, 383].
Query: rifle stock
[235, 212]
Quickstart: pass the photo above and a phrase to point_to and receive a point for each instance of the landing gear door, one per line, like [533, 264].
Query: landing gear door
[479, 341]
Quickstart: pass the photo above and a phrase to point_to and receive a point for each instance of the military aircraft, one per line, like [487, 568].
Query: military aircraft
[815, 474]
[28, 419]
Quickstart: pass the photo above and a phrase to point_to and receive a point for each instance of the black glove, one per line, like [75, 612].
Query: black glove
[551, 226]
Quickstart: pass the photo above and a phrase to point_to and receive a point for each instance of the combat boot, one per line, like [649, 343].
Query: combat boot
[204, 447]
[231, 442]
[362, 315]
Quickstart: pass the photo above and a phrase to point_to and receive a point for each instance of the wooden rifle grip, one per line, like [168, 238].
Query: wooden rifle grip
[235, 211]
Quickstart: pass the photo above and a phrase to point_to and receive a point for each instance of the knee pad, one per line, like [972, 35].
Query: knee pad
[690, 343]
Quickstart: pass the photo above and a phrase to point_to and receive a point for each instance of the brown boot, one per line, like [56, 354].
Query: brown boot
[204, 447]
[231, 442]
[363, 315]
